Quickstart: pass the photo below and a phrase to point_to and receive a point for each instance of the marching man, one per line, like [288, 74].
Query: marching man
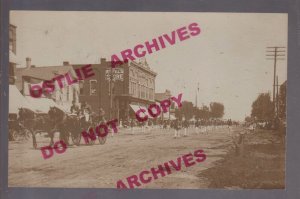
[185, 125]
[177, 127]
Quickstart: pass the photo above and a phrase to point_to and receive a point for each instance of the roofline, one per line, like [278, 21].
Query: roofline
[12, 25]
[143, 68]
[26, 76]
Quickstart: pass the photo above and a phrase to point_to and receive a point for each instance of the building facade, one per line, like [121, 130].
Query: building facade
[170, 115]
[31, 75]
[116, 90]
[12, 52]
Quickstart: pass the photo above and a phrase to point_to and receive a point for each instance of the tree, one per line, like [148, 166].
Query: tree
[282, 101]
[178, 114]
[248, 119]
[216, 109]
[206, 113]
[262, 108]
[186, 111]
[202, 113]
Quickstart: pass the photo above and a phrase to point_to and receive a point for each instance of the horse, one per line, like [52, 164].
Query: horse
[70, 125]
[30, 121]
[61, 123]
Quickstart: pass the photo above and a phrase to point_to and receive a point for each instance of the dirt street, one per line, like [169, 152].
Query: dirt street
[124, 154]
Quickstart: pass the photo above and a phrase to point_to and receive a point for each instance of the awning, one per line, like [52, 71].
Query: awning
[43, 104]
[17, 100]
[135, 108]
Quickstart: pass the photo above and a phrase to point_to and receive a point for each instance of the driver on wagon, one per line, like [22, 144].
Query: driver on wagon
[101, 115]
[85, 112]
[74, 108]
[85, 108]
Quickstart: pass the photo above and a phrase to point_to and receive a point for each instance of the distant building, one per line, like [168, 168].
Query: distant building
[163, 96]
[35, 75]
[132, 85]
[12, 52]
[13, 38]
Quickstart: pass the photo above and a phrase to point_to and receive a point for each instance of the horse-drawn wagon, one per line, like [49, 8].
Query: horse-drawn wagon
[56, 121]
[31, 116]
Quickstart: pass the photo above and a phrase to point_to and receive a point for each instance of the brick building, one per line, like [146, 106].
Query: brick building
[132, 85]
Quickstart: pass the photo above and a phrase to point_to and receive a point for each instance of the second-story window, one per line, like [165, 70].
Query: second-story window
[93, 87]
[81, 87]
[12, 39]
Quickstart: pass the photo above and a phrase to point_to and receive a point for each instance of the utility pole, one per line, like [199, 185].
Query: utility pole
[169, 97]
[196, 100]
[275, 53]
[197, 91]
[111, 82]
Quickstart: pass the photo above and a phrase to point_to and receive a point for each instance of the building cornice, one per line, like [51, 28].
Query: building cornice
[142, 67]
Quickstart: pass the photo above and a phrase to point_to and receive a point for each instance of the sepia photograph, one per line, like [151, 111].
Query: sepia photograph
[147, 100]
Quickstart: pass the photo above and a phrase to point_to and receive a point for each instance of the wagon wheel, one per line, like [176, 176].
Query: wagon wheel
[76, 137]
[91, 142]
[102, 140]
[26, 134]
[64, 137]
[34, 143]
[12, 134]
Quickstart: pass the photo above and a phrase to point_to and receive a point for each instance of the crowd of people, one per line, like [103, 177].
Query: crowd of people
[84, 112]
[178, 126]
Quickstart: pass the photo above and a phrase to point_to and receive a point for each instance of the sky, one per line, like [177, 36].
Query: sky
[227, 60]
